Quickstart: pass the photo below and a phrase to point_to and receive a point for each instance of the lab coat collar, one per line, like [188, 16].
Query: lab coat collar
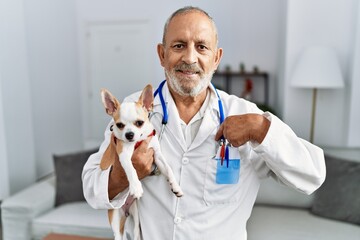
[210, 122]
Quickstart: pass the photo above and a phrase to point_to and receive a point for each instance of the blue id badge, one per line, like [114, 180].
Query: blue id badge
[228, 165]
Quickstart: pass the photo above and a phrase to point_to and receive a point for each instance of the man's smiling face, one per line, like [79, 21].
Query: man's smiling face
[189, 53]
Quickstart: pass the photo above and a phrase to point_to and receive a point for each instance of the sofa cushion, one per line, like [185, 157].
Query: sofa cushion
[68, 168]
[76, 218]
[276, 223]
[338, 198]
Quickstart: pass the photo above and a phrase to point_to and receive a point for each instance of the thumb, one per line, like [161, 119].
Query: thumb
[219, 133]
[144, 144]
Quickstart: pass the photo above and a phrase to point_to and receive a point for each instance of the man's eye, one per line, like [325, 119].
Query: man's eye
[178, 46]
[120, 125]
[139, 123]
[202, 47]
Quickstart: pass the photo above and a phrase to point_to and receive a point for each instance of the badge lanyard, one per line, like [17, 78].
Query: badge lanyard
[224, 147]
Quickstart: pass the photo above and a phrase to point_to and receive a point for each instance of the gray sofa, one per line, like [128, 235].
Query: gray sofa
[279, 213]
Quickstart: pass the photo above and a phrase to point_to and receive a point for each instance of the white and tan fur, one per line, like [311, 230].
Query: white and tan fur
[131, 125]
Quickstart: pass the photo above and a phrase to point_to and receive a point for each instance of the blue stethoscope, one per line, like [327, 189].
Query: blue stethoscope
[224, 154]
[165, 112]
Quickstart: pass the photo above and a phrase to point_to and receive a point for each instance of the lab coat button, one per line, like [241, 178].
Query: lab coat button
[185, 160]
[177, 220]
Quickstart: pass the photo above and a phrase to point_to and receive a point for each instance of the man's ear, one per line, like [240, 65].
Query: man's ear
[218, 56]
[110, 103]
[161, 53]
[146, 98]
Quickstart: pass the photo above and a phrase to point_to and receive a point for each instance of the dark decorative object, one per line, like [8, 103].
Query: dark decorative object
[242, 68]
[227, 68]
[248, 87]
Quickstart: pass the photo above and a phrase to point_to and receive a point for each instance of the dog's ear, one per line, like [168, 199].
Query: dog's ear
[110, 103]
[147, 98]
[111, 153]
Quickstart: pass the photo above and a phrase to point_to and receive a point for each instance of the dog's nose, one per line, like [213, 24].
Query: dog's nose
[129, 136]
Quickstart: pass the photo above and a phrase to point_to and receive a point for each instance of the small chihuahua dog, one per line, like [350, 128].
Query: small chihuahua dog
[131, 126]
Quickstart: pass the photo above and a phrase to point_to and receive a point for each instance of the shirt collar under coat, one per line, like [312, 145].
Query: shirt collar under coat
[211, 120]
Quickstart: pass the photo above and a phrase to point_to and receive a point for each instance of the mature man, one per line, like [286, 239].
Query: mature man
[211, 208]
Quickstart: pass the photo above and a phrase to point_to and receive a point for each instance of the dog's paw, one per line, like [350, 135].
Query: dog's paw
[136, 189]
[175, 188]
[178, 193]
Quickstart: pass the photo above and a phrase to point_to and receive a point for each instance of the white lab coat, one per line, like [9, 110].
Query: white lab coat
[209, 211]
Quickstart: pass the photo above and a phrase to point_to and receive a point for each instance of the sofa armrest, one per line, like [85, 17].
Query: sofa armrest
[18, 210]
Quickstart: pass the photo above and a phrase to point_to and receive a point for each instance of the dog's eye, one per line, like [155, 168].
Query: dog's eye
[139, 123]
[120, 125]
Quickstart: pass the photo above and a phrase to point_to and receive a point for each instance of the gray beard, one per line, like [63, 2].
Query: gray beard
[176, 86]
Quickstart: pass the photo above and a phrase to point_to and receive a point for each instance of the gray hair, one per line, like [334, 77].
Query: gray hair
[185, 10]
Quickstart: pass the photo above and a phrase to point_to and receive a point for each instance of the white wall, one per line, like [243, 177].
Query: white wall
[354, 93]
[54, 79]
[4, 177]
[15, 96]
[43, 66]
[331, 24]
[249, 32]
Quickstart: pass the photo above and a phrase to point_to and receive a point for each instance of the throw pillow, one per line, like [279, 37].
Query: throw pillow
[68, 169]
[339, 197]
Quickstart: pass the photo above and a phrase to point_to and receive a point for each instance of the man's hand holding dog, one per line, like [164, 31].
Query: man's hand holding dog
[142, 159]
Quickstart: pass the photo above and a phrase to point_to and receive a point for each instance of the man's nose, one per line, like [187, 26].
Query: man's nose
[190, 55]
